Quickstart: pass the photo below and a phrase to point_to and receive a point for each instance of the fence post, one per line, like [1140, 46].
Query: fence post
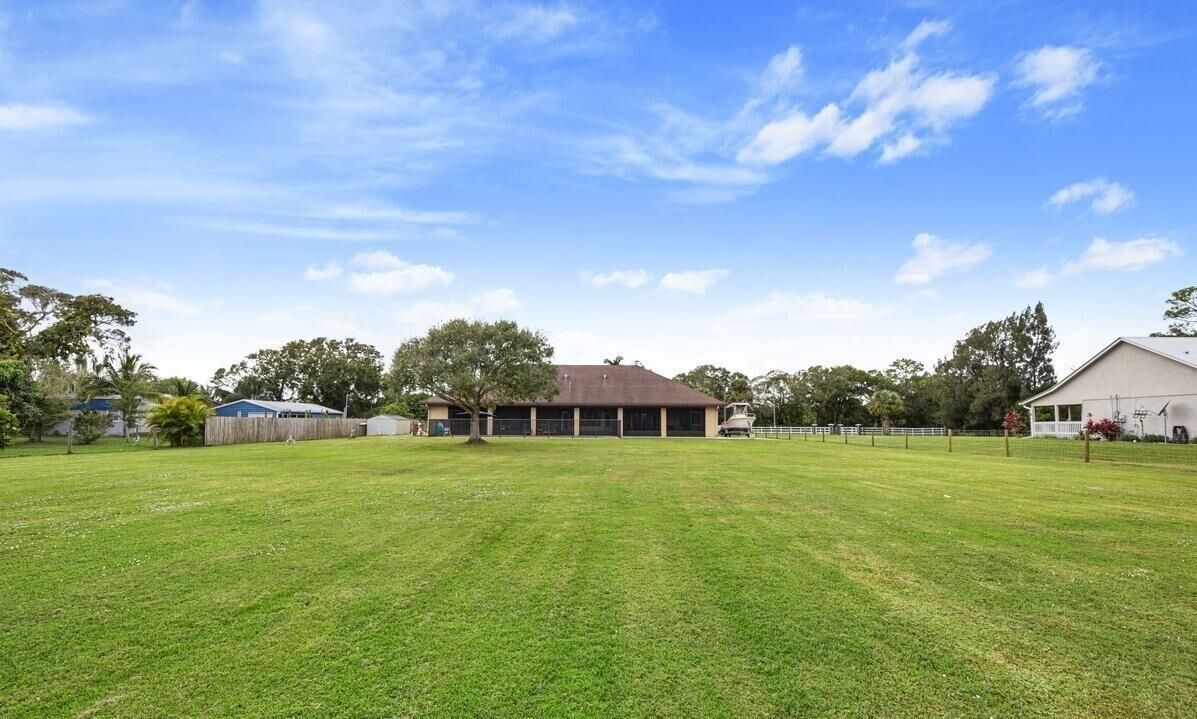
[949, 441]
[872, 440]
[824, 438]
[1007, 432]
[907, 435]
[845, 430]
[1085, 433]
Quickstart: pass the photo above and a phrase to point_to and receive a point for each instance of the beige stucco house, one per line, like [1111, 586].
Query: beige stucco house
[594, 400]
[1147, 384]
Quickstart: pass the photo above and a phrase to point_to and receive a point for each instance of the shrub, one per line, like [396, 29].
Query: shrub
[1105, 428]
[180, 420]
[1154, 438]
[91, 425]
[1014, 423]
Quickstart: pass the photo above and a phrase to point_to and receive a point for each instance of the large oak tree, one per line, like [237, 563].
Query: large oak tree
[323, 371]
[476, 365]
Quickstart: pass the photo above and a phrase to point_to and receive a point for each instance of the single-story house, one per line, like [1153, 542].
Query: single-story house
[388, 424]
[270, 408]
[594, 400]
[1146, 384]
[104, 405]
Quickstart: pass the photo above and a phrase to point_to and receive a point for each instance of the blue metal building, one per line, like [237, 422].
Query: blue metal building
[269, 408]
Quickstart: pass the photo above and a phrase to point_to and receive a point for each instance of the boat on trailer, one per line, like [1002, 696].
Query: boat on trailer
[739, 420]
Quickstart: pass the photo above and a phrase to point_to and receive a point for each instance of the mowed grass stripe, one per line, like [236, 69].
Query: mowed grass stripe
[592, 578]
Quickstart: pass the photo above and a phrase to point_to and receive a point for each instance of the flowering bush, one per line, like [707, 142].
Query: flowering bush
[1103, 428]
[1013, 422]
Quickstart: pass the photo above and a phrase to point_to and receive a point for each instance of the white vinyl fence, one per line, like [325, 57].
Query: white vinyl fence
[244, 430]
[784, 432]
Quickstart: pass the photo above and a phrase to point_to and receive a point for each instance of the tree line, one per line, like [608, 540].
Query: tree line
[58, 350]
[989, 370]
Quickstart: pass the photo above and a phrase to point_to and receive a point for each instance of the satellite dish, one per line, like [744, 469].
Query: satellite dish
[1164, 410]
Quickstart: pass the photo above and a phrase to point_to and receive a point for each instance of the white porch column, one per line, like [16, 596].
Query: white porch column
[577, 421]
[619, 418]
[532, 419]
[663, 420]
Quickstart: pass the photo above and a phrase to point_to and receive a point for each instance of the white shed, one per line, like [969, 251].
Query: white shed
[388, 424]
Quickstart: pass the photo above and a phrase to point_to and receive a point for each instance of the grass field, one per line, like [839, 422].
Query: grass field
[21, 447]
[403, 577]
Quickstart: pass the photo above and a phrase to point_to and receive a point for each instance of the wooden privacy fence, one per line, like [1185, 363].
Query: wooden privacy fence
[244, 430]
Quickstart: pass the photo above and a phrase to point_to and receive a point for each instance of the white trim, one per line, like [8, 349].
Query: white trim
[1072, 375]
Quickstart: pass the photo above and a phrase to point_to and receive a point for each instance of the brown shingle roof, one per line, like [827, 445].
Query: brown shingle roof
[587, 385]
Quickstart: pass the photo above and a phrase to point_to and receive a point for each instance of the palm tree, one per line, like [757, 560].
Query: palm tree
[182, 387]
[131, 379]
[616, 360]
[885, 404]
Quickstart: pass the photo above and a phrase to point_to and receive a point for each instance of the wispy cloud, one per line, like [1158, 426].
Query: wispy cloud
[536, 23]
[1033, 279]
[901, 108]
[691, 281]
[1057, 75]
[1103, 255]
[302, 232]
[621, 278]
[375, 212]
[1107, 197]
[323, 273]
[143, 297]
[809, 307]
[486, 303]
[383, 274]
[934, 257]
[19, 116]
[896, 111]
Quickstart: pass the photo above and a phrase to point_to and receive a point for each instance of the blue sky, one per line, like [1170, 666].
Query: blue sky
[763, 187]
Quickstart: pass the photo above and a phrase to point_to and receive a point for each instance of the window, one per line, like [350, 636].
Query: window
[1070, 412]
[685, 422]
[642, 421]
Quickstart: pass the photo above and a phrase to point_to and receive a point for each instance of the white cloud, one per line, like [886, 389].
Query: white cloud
[902, 107]
[934, 257]
[781, 140]
[494, 301]
[1057, 75]
[899, 110]
[537, 23]
[431, 312]
[385, 274]
[692, 281]
[324, 273]
[1108, 197]
[144, 297]
[380, 212]
[783, 72]
[1033, 279]
[19, 116]
[485, 303]
[623, 278]
[1132, 255]
[812, 307]
[302, 232]
[927, 29]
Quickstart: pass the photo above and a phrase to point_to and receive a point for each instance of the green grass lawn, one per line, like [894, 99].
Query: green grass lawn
[405, 577]
[21, 447]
